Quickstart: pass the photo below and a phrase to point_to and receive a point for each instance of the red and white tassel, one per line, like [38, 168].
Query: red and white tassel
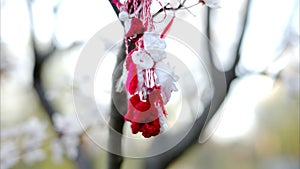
[149, 80]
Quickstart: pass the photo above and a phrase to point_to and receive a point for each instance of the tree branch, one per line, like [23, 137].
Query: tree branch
[180, 7]
[39, 60]
[230, 75]
[163, 160]
[116, 121]
[114, 6]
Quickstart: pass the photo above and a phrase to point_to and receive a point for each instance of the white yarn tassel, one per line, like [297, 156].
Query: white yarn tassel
[162, 119]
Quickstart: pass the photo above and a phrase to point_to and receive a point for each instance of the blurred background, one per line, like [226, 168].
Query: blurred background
[256, 127]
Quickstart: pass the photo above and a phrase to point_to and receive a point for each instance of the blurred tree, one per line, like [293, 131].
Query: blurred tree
[235, 57]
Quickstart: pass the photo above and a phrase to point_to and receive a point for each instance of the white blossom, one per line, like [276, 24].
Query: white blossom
[71, 144]
[32, 134]
[33, 156]
[31, 148]
[10, 132]
[57, 151]
[66, 145]
[29, 144]
[9, 154]
[67, 124]
[34, 129]
[71, 130]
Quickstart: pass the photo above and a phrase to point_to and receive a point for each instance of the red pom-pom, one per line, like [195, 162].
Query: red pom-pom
[151, 128]
[135, 127]
[147, 129]
[138, 118]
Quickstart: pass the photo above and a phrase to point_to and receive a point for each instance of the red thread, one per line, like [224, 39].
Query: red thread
[118, 3]
[167, 28]
[145, 105]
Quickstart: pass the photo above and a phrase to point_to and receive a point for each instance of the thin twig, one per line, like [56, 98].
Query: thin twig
[180, 7]
[114, 6]
[39, 60]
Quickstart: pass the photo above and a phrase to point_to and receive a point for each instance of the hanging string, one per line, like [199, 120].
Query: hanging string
[146, 104]
[164, 11]
[167, 28]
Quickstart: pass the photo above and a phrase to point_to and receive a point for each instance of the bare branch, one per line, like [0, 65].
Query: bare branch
[116, 122]
[180, 7]
[163, 160]
[114, 6]
[39, 60]
[231, 73]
